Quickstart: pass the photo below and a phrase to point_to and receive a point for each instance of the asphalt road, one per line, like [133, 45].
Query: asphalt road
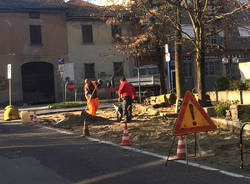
[31, 154]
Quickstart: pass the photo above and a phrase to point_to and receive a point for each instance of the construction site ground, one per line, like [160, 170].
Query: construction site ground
[152, 130]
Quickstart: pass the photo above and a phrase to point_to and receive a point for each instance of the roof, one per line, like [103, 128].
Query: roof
[31, 4]
[78, 9]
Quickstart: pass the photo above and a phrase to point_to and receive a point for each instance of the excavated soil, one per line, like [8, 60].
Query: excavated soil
[152, 130]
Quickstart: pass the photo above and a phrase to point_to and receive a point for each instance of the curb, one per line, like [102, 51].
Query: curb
[231, 125]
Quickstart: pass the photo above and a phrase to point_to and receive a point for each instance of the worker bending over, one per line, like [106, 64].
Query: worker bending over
[91, 95]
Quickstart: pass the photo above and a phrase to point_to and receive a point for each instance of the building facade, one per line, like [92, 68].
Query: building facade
[90, 45]
[33, 36]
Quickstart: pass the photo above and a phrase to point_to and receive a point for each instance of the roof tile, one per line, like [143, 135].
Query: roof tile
[27, 4]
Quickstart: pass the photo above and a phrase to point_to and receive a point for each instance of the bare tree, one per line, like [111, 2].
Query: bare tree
[149, 34]
[206, 16]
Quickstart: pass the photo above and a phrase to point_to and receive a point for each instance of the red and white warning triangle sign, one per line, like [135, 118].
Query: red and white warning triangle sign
[192, 118]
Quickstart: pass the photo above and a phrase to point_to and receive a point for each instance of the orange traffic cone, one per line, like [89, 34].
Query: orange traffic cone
[85, 129]
[34, 119]
[125, 137]
[181, 153]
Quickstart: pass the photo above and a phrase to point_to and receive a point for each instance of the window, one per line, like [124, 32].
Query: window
[87, 34]
[34, 15]
[211, 41]
[212, 65]
[118, 69]
[90, 71]
[143, 71]
[210, 68]
[187, 69]
[35, 35]
[153, 71]
[116, 32]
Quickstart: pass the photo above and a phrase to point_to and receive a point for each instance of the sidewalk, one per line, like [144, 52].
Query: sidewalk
[43, 109]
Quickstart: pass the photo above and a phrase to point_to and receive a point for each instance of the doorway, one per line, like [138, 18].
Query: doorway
[38, 83]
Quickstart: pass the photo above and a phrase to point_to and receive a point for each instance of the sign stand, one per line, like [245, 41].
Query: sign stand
[166, 163]
[186, 150]
[191, 119]
[185, 141]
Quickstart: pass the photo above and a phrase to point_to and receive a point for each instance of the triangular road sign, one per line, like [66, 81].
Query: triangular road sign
[192, 118]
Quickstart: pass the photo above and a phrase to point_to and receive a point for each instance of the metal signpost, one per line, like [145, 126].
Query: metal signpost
[9, 77]
[67, 79]
[167, 58]
[61, 71]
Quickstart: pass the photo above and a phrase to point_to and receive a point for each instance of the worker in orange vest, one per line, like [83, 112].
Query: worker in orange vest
[91, 95]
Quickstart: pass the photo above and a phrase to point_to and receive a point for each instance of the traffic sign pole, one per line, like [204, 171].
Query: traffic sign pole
[167, 59]
[60, 62]
[9, 77]
[75, 94]
[9, 91]
[65, 91]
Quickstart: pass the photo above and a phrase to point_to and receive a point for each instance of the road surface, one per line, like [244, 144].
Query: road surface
[33, 154]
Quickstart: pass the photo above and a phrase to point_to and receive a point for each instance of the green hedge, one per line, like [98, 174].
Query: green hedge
[221, 108]
[76, 103]
[223, 83]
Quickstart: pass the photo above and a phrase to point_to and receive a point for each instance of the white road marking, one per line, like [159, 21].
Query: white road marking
[57, 130]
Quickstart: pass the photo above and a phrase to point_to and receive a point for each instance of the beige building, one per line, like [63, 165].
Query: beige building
[90, 45]
[36, 33]
[33, 36]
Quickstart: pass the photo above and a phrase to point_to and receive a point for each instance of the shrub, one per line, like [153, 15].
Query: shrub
[248, 84]
[221, 83]
[246, 115]
[221, 108]
[237, 85]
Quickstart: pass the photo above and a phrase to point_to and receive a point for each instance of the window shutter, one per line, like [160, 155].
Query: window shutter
[35, 34]
[87, 34]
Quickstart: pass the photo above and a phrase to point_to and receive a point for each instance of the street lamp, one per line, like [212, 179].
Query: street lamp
[230, 61]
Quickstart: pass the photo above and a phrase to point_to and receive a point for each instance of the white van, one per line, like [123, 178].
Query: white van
[146, 71]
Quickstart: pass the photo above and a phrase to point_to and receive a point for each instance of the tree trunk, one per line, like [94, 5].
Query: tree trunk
[200, 61]
[161, 69]
[179, 75]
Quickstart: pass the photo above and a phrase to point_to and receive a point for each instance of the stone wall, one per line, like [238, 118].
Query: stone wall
[243, 97]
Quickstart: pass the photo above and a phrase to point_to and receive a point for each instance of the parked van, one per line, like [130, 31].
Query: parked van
[146, 71]
[149, 80]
